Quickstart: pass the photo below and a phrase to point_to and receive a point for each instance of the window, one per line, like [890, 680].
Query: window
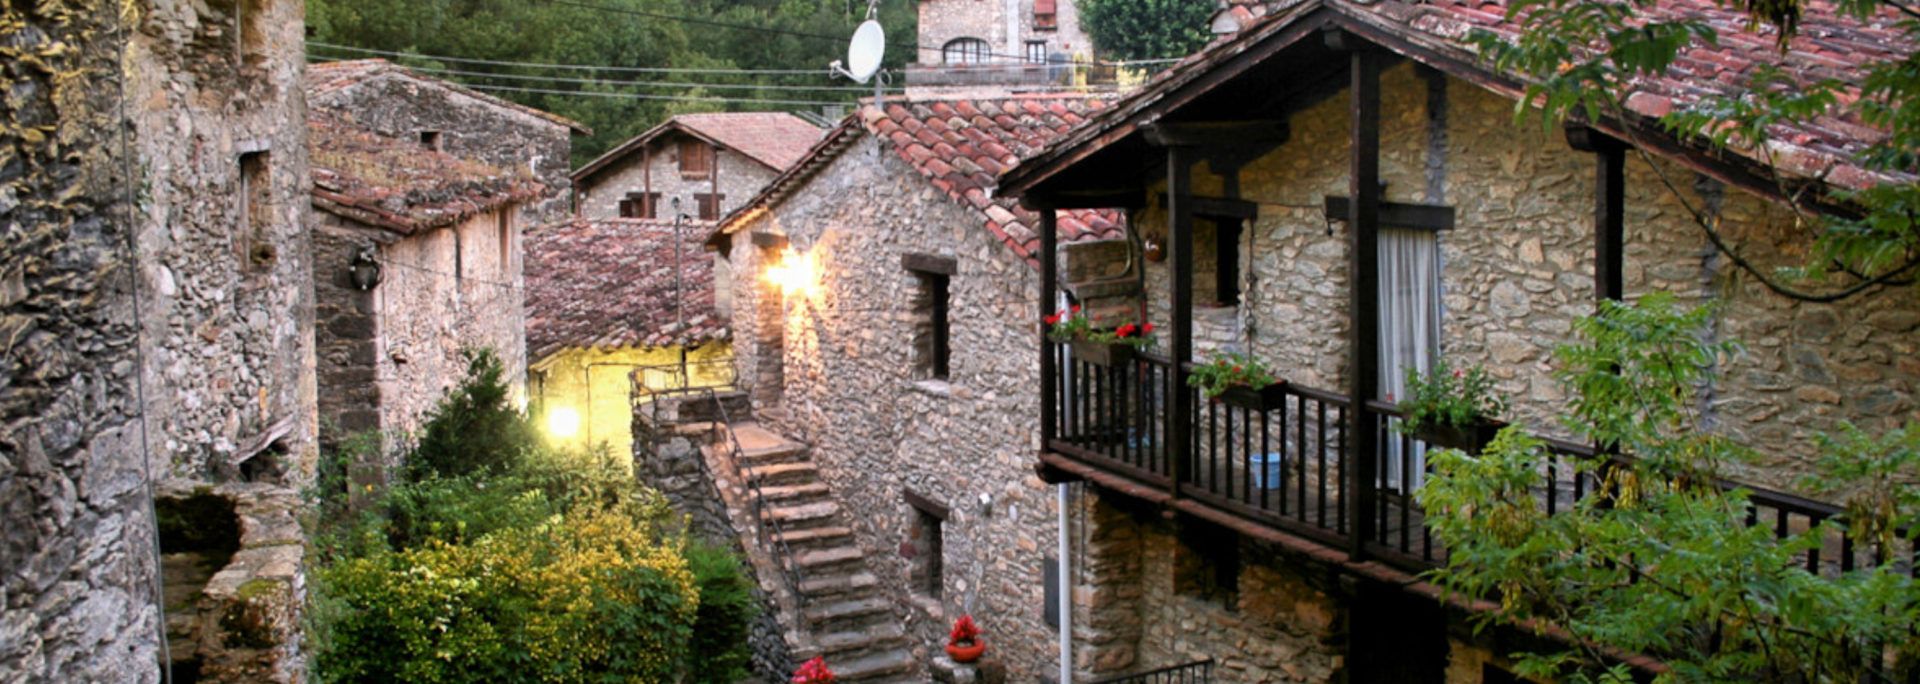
[253, 240]
[1044, 15]
[931, 304]
[1037, 51]
[925, 546]
[964, 51]
[709, 205]
[430, 140]
[639, 205]
[696, 159]
[506, 241]
[1226, 272]
[1208, 563]
[629, 208]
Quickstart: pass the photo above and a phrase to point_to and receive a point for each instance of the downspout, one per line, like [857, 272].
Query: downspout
[1066, 589]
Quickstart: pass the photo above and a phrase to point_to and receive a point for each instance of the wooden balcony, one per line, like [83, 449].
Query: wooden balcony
[1291, 469]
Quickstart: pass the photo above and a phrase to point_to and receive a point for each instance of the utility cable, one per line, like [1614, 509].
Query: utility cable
[639, 96]
[583, 67]
[633, 84]
[840, 39]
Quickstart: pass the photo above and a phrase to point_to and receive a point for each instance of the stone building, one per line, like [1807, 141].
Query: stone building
[396, 102]
[417, 260]
[1486, 246]
[702, 166]
[605, 303]
[883, 305]
[989, 31]
[158, 336]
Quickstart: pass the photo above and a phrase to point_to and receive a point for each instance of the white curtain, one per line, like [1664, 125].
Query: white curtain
[1409, 329]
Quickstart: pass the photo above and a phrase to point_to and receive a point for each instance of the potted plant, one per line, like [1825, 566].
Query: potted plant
[1452, 408]
[1096, 345]
[1239, 380]
[964, 644]
[814, 672]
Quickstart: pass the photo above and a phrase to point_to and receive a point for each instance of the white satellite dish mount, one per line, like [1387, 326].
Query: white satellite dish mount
[864, 52]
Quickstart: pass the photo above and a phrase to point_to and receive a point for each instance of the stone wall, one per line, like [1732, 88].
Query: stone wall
[76, 557]
[740, 178]
[469, 128]
[843, 360]
[593, 384]
[443, 292]
[942, 21]
[346, 330]
[1517, 271]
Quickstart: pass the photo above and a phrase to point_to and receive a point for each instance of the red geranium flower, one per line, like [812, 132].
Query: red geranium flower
[1052, 320]
[1146, 328]
[1125, 330]
[814, 672]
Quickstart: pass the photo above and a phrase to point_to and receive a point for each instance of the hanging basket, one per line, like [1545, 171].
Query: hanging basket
[1264, 399]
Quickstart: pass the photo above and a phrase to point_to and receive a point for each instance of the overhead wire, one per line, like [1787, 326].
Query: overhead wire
[632, 84]
[643, 96]
[584, 67]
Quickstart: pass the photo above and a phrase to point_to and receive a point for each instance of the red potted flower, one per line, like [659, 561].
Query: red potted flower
[964, 644]
[814, 672]
[1098, 346]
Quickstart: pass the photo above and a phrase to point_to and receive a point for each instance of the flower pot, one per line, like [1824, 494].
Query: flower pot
[1264, 399]
[1470, 438]
[968, 653]
[1102, 354]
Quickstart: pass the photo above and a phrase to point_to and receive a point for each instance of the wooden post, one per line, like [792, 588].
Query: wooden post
[1049, 286]
[1180, 273]
[1363, 226]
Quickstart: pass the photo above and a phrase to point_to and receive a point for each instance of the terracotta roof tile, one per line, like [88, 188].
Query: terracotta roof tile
[774, 139]
[399, 185]
[609, 283]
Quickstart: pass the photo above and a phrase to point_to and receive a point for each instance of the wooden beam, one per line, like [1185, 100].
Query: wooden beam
[769, 240]
[929, 263]
[1397, 215]
[1180, 272]
[1085, 199]
[1363, 227]
[1049, 286]
[1222, 207]
[1222, 134]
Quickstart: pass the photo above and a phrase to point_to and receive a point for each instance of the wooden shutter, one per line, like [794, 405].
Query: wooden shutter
[696, 159]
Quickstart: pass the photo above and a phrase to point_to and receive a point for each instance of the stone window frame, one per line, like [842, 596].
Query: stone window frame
[931, 304]
[926, 538]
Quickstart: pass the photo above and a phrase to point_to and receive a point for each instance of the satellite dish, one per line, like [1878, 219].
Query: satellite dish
[863, 55]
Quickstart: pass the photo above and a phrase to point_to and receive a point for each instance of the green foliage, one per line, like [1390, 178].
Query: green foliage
[1662, 561]
[1849, 255]
[475, 429]
[1070, 324]
[1146, 29]
[1449, 396]
[607, 33]
[1230, 370]
[720, 652]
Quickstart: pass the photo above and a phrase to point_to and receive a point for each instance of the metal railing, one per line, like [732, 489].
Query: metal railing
[776, 542]
[1197, 672]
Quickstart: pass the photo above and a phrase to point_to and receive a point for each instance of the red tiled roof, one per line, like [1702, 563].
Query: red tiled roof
[773, 139]
[324, 78]
[960, 145]
[398, 184]
[609, 283]
[1827, 46]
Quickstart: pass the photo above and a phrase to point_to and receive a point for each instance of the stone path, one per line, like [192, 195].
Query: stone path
[845, 616]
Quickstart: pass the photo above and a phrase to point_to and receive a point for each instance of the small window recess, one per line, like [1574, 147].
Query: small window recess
[1208, 564]
[505, 240]
[430, 140]
[925, 547]
[254, 240]
[932, 307]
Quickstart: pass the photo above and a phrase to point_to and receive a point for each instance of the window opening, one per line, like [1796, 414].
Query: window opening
[505, 229]
[696, 159]
[1045, 15]
[430, 140]
[1208, 566]
[709, 205]
[931, 344]
[964, 51]
[926, 546]
[256, 209]
[1037, 51]
[1409, 332]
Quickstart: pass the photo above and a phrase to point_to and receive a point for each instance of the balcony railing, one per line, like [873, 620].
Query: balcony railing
[1287, 466]
[1197, 672]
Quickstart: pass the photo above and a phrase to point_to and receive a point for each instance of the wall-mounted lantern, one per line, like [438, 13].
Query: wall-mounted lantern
[364, 269]
[793, 273]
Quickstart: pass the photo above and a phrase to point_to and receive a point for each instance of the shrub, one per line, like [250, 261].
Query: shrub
[720, 652]
[475, 428]
[592, 595]
[1146, 29]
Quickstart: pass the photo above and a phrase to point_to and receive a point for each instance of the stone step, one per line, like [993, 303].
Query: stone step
[813, 537]
[851, 613]
[781, 474]
[813, 561]
[872, 668]
[800, 493]
[836, 645]
[784, 453]
[832, 584]
[794, 518]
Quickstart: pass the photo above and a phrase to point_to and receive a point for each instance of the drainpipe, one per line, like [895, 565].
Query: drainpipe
[1066, 590]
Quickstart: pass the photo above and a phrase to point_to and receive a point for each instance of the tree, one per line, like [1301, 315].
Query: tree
[1582, 56]
[1146, 29]
[1661, 559]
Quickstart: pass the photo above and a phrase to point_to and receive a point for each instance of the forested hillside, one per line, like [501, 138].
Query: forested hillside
[657, 57]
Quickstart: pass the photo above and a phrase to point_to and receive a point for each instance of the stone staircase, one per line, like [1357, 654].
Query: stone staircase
[843, 614]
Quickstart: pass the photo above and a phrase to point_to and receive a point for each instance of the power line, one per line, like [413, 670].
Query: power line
[749, 27]
[583, 67]
[637, 84]
[640, 96]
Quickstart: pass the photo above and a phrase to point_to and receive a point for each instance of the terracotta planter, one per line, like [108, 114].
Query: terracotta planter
[1470, 438]
[967, 654]
[1102, 354]
[1264, 399]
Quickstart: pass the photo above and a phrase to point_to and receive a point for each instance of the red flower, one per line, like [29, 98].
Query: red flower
[964, 631]
[814, 672]
[1052, 320]
[1457, 373]
[1125, 330]
[1076, 308]
[1146, 328]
